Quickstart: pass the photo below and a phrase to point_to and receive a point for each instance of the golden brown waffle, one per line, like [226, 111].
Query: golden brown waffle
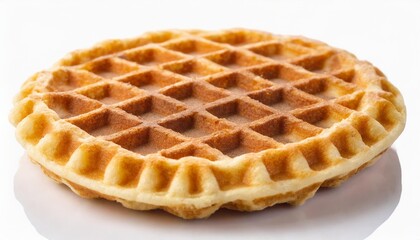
[192, 121]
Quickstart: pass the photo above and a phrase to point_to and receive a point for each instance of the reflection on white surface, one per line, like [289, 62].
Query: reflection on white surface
[352, 211]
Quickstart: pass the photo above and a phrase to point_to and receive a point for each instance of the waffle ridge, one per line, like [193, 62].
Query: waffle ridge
[191, 121]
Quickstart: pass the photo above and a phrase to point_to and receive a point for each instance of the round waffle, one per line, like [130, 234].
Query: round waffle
[192, 121]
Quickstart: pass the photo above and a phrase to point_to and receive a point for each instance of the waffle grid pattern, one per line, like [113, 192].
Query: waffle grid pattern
[187, 114]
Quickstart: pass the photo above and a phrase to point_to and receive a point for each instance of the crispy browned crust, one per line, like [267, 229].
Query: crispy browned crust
[186, 212]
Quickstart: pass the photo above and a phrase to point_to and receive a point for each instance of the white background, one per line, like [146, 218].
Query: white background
[34, 34]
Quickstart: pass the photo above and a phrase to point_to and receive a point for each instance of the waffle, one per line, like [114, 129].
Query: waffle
[193, 121]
